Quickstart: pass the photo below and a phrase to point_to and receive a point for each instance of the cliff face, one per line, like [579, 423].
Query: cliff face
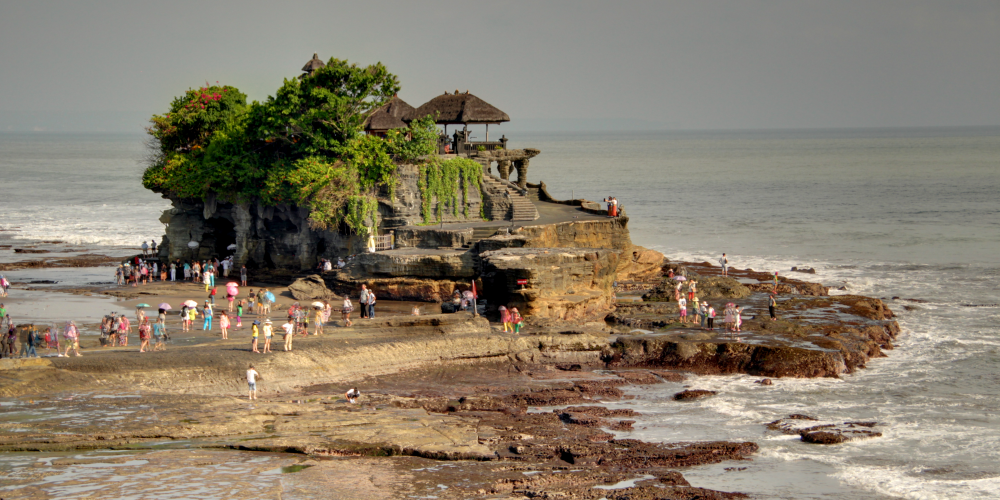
[277, 236]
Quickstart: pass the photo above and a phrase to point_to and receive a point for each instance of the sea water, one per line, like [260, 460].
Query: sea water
[911, 213]
[908, 213]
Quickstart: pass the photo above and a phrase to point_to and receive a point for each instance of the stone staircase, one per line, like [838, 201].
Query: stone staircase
[523, 208]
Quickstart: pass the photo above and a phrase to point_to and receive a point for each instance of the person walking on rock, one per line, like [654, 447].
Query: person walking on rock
[72, 336]
[252, 377]
[352, 395]
[724, 262]
[224, 325]
[692, 290]
[505, 319]
[682, 309]
[771, 303]
[345, 311]
[206, 313]
[775, 289]
[711, 317]
[516, 319]
[144, 333]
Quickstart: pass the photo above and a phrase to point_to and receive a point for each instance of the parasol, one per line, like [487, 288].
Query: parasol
[680, 278]
[190, 303]
[164, 306]
[233, 288]
[140, 306]
[730, 304]
[269, 296]
[193, 244]
[318, 305]
[231, 247]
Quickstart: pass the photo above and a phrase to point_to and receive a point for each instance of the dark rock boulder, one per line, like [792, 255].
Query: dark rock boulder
[811, 430]
[691, 394]
[310, 288]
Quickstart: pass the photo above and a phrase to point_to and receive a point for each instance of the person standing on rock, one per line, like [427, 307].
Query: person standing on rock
[371, 304]
[152, 248]
[363, 300]
[289, 329]
[173, 272]
[711, 317]
[243, 276]
[268, 333]
[682, 308]
[738, 312]
[206, 313]
[144, 332]
[254, 335]
[317, 320]
[516, 319]
[252, 377]
[729, 319]
[72, 336]
[692, 290]
[145, 248]
[771, 303]
[352, 395]
[724, 262]
[775, 289]
[224, 325]
[159, 332]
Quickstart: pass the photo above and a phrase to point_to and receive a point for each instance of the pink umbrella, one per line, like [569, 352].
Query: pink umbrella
[232, 288]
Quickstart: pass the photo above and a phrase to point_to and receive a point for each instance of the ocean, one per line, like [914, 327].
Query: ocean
[907, 213]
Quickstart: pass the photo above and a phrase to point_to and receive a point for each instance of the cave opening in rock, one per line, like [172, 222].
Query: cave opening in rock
[225, 235]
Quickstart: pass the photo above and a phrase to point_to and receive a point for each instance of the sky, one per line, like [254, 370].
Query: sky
[551, 65]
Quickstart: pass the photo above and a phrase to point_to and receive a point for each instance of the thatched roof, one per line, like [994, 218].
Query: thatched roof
[395, 114]
[313, 64]
[461, 108]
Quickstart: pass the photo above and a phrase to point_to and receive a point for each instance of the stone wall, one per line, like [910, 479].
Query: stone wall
[405, 206]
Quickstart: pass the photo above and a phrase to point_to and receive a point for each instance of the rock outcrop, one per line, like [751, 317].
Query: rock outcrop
[563, 283]
[310, 288]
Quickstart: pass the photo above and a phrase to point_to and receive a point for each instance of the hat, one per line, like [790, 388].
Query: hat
[268, 321]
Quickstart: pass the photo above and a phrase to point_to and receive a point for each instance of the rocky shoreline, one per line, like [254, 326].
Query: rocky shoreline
[530, 408]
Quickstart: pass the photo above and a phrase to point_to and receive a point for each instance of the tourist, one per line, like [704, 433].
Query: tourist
[207, 279]
[243, 276]
[415, 311]
[363, 300]
[124, 329]
[253, 298]
[211, 295]
[371, 304]
[771, 303]
[3, 314]
[724, 262]
[145, 248]
[159, 331]
[224, 325]
[254, 333]
[173, 272]
[738, 312]
[187, 271]
[516, 320]
[252, 377]
[192, 317]
[206, 313]
[289, 329]
[682, 309]
[72, 336]
[144, 271]
[196, 272]
[265, 302]
[704, 315]
[163, 274]
[327, 311]
[699, 313]
[152, 247]
[184, 318]
[10, 340]
[775, 289]
[729, 318]
[692, 290]
[50, 340]
[505, 319]
[268, 333]
[340, 263]
[239, 313]
[225, 268]
[4, 285]
[677, 291]
[144, 332]
[352, 395]
[711, 317]
[300, 320]
[318, 321]
[345, 311]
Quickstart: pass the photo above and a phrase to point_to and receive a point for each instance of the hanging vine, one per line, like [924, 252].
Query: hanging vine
[440, 183]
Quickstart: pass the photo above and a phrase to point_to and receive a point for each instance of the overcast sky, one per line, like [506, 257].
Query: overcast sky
[742, 64]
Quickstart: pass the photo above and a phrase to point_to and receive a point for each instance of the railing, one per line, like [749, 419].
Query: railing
[469, 147]
[385, 242]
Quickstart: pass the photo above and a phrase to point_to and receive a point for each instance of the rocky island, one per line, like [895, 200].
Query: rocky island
[336, 165]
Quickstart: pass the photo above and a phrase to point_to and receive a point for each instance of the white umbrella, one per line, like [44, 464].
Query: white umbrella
[318, 305]
[193, 244]
[190, 303]
[680, 278]
[231, 247]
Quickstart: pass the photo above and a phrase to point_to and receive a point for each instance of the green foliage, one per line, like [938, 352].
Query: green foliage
[194, 117]
[441, 182]
[423, 137]
[303, 146]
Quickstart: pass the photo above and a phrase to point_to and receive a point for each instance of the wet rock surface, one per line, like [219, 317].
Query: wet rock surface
[813, 430]
[692, 394]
